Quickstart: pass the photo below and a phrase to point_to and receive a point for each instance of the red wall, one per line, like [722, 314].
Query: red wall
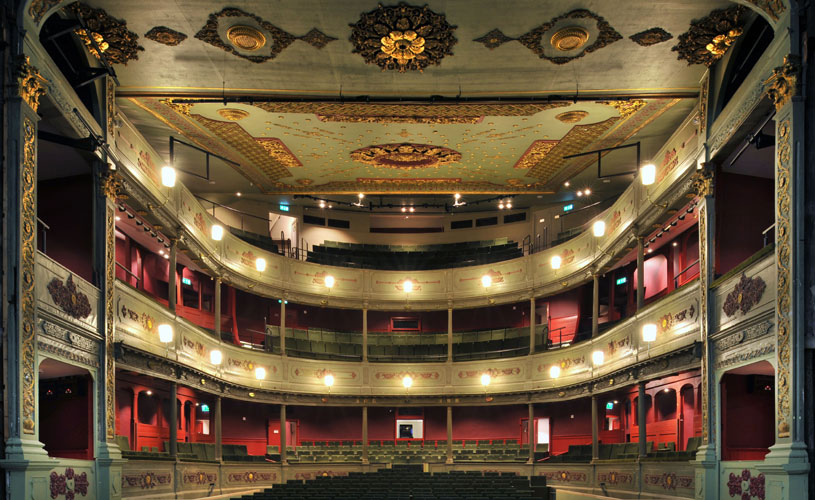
[66, 205]
[491, 318]
[746, 203]
[65, 417]
[322, 423]
[488, 422]
[747, 438]
[247, 424]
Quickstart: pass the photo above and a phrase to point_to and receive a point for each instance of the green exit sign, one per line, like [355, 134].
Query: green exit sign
[621, 281]
[186, 281]
[569, 207]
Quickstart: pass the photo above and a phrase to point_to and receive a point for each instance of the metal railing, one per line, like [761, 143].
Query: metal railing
[688, 268]
[770, 231]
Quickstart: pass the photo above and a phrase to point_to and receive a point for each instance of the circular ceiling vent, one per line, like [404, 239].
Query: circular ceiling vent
[246, 38]
[570, 38]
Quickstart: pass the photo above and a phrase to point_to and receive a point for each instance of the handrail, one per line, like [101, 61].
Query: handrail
[680, 273]
[128, 271]
[765, 234]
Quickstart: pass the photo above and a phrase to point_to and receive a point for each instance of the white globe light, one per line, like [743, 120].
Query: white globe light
[598, 357]
[215, 357]
[407, 381]
[165, 333]
[407, 286]
[329, 281]
[486, 280]
[486, 379]
[217, 232]
[599, 228]
[554, 371]
[168, 176]
[328, 380]
[556, 260]
[260, 264]
[648, 174]
[649, 332]
[260, 373]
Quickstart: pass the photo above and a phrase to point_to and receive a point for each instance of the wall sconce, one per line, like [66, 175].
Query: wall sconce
[554, 371]
[407, 381]
[648, 174]
[328, 380]
[599, 228]
[217, 232]
[407, 286]
[486, 379]
[486, 281]
[215, 357]
[649, 332]
[598, 357]
[168, 176]
[260, 373]
[556, 261]
[328, 281]
[260, 264]
[165, 333]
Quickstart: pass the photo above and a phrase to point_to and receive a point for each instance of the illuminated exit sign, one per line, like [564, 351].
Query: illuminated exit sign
[186, 281]
[283, 207]
[569, 207]
[621, 281]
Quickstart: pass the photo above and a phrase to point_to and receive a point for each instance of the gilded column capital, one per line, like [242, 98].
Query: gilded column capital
[110, 185]
[783, 83]
[31, 85]
[704, 180]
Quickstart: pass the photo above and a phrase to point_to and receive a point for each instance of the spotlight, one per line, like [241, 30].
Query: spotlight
[322, 204]
[217, 232]
[509, 204]
[486, 281]
[648, 174]
[674, 243]
[556, 261]
[554, 371]
[649, 332]
[328, 380]
[238, 194]
[587, 191]
[149, 392]
[165, 333]
[567, 184]
[597, 357]
[501, 204]
[260, 373]
[407, 381]
[579, 194]
[360, 196]
[599, 228]
[457, 196]
[486, 379]
[407, 286]
[215, 357]
[404, 209]
[168, 176]
[411, 209]
[329, 281]
[260, 264]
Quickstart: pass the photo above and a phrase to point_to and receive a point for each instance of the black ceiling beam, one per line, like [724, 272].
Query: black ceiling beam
[87, 144]
[86, 76]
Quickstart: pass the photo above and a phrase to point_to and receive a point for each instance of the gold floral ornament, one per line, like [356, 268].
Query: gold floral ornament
[31, 84]
[783, 83]
[98, 39]
[402, 46]
[117, 43]
[721, 43]
[405, 156]
[403, 37]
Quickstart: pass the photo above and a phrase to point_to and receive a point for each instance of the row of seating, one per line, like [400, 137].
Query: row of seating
[189, 452]
[626, 451]
[417, 248]
[409, 483]
[391, 338]
[368, 258]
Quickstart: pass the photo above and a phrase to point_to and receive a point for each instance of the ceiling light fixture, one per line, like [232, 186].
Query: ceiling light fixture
[411, 209]
[587, 192]
[648, 174]
[404, 209]
[328, 380]
[217, 232]
[509, 204]
[407, 381]
[168, 176]
[579, 194]
[598, 357]
[260, 373]
[322, 203]
[501, 204]
[238, 194]
[567, 184]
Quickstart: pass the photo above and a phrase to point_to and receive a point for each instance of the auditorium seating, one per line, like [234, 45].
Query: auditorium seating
[406, 452]
[255, 239]
[625, 452]
[414, 257]
[408, 482]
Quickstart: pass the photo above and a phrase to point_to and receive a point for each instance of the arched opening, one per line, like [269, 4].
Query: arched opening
[665, 405]
[66, 410]
[748, 402]
[687, 421]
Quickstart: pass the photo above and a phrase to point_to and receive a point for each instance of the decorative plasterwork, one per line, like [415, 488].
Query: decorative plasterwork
[38, 8]
[650, 37]
[708, 38]
[165, 36]
[626, 108]
[109, 324]
[703, 316]
[424, 120]
[31, 85]
[783, 83]
[279, 152]
[28, 224]
[533, 39]
[402, 37]
[568, 39]
[66, 296]
[405, 156]
[233, 114]
[773, 8]
[118, 44]
[535, 153]
[745, 336]
[571, 116]
[744, 296]
[246, 38]
[575, 141]
[275, 39]
[783, 260]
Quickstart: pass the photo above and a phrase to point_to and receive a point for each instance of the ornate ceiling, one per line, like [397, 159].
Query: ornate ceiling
[613, 72]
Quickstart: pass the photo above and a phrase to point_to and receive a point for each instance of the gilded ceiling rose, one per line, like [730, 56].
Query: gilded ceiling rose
[650, 37]
[165, 36]
[233, 114]
[246, 38]
[405, 156]
[571, 38]
[402, 37]
[572, 116]
[116, 43]
[709, 38]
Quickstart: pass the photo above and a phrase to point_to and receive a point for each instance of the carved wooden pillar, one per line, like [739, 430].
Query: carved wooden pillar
[450, 332]
[172, 285]
[283, 443]
[530, 434]
[218, 430]
[134, 422]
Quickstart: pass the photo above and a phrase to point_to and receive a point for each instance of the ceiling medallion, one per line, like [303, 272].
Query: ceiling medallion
[533, 40]
[403, 37]
[233, 114]
[246, 38]
[118, 44]
[572, 116]
[165, 35]
[570, 38]
[405, 156]
[650, 37]
[709, 38]
[252, 39]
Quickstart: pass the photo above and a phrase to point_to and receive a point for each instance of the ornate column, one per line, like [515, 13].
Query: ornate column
[532, 325]
[449, 332]
[530, 434]
[641, 425]
[364, 434]
[134, 422]
[283, 443]
[786, 466]
[640, 280]
[218, 430]
[595, 431]
[707, 464]
[365, 335]
[173, 420]
[25, 458]
[172, 285]
[449, 434]
[595, 305]
[283, 329]
[217, 312]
